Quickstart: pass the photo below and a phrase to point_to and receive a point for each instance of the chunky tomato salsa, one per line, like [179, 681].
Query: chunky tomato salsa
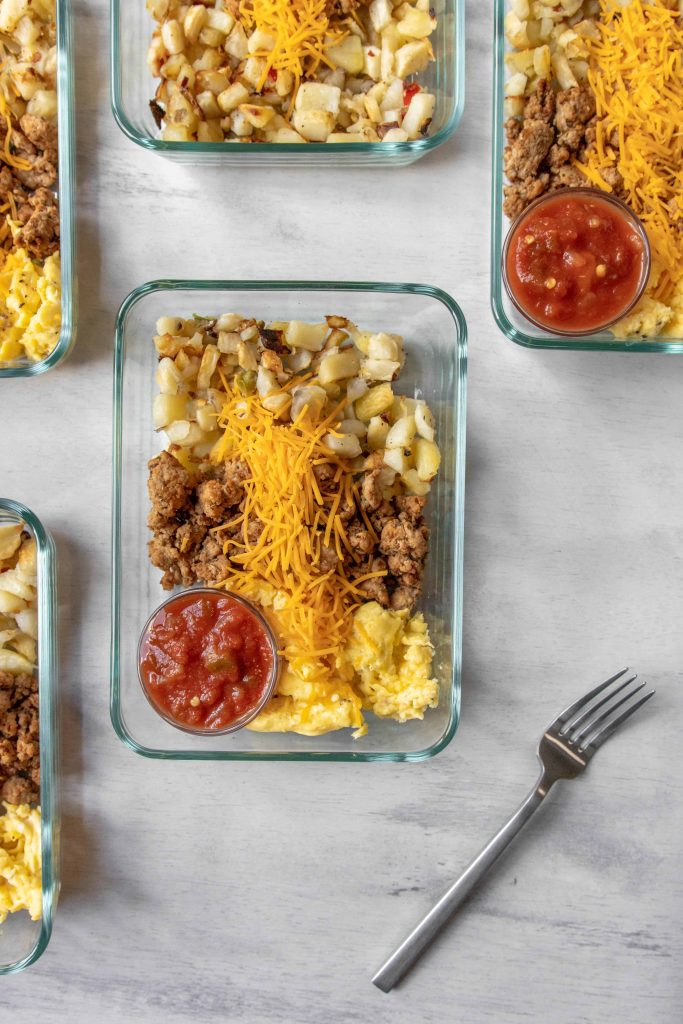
[575, 262]
[206, 660]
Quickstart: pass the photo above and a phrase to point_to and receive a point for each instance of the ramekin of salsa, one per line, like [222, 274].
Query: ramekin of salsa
[576, 261]
[207, 661]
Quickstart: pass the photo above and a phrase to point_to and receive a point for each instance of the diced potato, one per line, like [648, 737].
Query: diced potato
[207, 367]
[563, 71]
[220, 20]
[424, 421]
[27, 621]
[236, 44]
[210, 131]
[427, 458]
[419, 114]
[375, 402]
[314, 125]
[348, 55]
[516, 84]
[414, 484]
[240, 126]
[416, 24]
[172, 36]
[299, 334]
[43, 103]
[338, 366]
[310, 396]
[372, 62]
[347, 445]
[402, 433]
[258, 116]
[287, 135]
[10, 604]
[167, 408]
[380, 369]
[11, 661]
[397, 459]
[12, 583]
[381, 14]
[413, 58]
[384, 346]
[396, 135]
[176, 133]
[253, 71]
[393, 97]
[206, 417]
[168, 377]
[317, 96]
[260, 40]
[10, 539]
[377, 433]
[184, 433]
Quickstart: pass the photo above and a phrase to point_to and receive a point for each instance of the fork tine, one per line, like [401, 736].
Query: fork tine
[604, 734]
[572, 723]
[582, 701]
[578, 738]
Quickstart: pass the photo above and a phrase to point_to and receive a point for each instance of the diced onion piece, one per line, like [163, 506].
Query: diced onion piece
[356, 427]
[348, 445]
[311, 396]
[424, 421]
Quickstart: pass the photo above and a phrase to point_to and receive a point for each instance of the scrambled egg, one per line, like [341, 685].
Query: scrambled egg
[20, 877]
[385, 668]
[30, 307]
[652, 318]
[392, 657]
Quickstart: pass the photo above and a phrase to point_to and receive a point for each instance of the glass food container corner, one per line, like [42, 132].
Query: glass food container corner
[436, 363]
[65, 128]
[22, 941]
[132, 87]
[512, 323]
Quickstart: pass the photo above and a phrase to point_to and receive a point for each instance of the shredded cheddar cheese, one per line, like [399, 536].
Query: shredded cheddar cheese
[636, 74]
[301, 518]
[300, 30]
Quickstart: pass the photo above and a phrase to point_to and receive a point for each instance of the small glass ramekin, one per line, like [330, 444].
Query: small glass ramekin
[601, 197]
[270, 686]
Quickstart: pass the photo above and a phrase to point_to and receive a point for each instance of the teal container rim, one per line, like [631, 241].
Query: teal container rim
[67, 245]
[598, 342]
[415, 147]
[459, 488]
[47, 675]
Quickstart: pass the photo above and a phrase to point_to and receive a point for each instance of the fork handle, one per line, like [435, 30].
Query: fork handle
[411, 949]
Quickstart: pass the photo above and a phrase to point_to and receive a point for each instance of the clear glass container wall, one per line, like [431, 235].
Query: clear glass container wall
[435, 335]
[65, 118]
[511, 322]
[21, 940]
[132, 88]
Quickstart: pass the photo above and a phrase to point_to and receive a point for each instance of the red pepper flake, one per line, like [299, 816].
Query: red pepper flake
[410, 91]
[272, 75]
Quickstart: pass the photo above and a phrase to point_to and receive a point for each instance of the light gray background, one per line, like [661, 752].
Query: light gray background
[263, 893]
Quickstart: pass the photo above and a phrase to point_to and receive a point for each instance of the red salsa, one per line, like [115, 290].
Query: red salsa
[575, 262]
[205, 660]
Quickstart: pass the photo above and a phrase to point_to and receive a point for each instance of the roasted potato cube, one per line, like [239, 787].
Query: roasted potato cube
[375, 402]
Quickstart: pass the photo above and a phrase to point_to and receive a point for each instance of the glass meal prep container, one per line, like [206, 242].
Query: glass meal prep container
[65, 189]
[22, 940]
[132, 87]
[511, 322]
[436, 363]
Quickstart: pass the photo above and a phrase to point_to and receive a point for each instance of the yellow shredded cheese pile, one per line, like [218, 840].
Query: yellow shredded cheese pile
[299, 516]
[20, 878]
[636, 74]
[30, 306]
[300, 30]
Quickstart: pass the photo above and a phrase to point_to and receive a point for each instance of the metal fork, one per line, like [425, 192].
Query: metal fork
[565, 749]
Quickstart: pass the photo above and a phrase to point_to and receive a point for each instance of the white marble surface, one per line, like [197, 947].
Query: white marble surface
[262, 893]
